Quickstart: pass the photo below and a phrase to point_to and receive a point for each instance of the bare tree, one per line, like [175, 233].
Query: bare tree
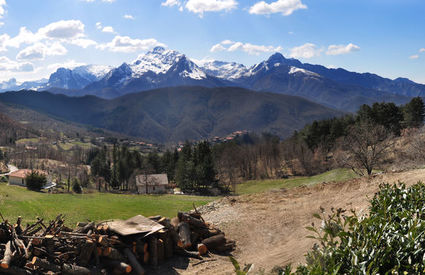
[367, 145]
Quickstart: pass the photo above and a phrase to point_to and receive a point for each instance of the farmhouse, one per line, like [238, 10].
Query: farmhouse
[152, 184]
[18, 177]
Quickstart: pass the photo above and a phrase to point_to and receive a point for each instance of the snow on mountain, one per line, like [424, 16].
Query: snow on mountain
[295, 70]
[13, 85]
[78, 77]
[158, 61]
[223, 70]
[97, 71]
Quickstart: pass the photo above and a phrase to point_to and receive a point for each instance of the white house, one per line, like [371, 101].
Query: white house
[152, 184]
[18, 177]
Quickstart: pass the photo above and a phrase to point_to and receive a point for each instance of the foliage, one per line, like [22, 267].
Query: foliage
[324, 133]
[35, 180]
[76, 187]
[238, 269]
[390, 240]
[195, 169]
[414, 113]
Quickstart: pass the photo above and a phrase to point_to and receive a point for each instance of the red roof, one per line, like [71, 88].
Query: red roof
[22, 173]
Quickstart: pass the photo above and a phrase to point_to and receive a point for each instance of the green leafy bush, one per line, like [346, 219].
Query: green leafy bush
[390, 240]
[35, 181]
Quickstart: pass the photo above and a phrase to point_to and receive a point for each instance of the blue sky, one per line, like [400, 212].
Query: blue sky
[380, 36]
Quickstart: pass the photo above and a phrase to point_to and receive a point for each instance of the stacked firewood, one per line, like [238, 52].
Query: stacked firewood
[89, 248]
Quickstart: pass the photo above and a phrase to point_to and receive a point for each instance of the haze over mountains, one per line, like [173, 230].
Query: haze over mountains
[159, 68]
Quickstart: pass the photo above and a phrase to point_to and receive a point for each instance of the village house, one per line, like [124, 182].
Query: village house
[18, 177]
[152, 184]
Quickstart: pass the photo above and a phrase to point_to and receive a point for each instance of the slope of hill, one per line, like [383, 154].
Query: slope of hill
[177, 114]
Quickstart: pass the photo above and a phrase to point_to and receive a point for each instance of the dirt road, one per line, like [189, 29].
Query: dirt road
[269, 228]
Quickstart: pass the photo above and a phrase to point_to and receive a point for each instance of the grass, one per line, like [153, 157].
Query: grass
[28, 140]
[257, 186]
[18, 201]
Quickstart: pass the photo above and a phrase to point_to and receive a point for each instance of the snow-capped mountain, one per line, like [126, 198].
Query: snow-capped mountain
[13, 85]
[77, 78]
[222, 69]
[155, 69]
[162, 67]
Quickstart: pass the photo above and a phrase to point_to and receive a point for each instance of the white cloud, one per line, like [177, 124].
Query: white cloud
[217, 48]
[2, 8]
[99, 25]
[422, 50]
[415, 56]
[83, 42]
[126, 44]
[39, 51]
[108, 29]
[201, 6]
[171, 3]
[64, 29]
[4, 38]
[342, 49]
[24, 36]
[285, 7]
[307, 50]
[128, 16]
[69, 64]
[12, 66]
[231, 46]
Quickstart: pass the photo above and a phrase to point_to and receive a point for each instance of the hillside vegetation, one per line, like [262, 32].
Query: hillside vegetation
[182, 113]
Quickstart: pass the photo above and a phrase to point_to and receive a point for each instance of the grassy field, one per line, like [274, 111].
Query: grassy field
[17, 201]
[257, 186]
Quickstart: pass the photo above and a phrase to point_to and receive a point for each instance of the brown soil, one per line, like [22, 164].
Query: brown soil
[269, 228]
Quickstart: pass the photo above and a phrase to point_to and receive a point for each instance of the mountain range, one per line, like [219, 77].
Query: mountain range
[160, 68]
[170, 115]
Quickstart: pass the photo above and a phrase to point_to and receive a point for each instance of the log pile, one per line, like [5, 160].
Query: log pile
[89, 248]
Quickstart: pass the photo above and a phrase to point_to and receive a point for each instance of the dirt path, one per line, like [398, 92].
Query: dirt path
[269, 228]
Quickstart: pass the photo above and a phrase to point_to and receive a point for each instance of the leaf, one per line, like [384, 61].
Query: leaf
[247, 268]
[235, 263]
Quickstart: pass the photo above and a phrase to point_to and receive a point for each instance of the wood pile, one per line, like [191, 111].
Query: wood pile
[89, 248]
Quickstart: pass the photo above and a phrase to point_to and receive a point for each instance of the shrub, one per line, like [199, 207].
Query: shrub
[35, 181]
[76, 187]
[390, 240]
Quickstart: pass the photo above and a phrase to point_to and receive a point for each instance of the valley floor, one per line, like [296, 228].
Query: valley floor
[269, 228]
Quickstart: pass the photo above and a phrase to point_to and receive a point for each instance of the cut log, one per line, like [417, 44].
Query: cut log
[86, 252]
[202, 249]
[168, 246]
[183, 252]
[161, 251]
[113, 254]
[153, 250]
[68, 269]
[44, 264]
[184, 234]
[215, 242]
[121, 267]
[175, 222]
[15, 271]
[194, 222]
[138, 269]
[146, 257]
[8, 256]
